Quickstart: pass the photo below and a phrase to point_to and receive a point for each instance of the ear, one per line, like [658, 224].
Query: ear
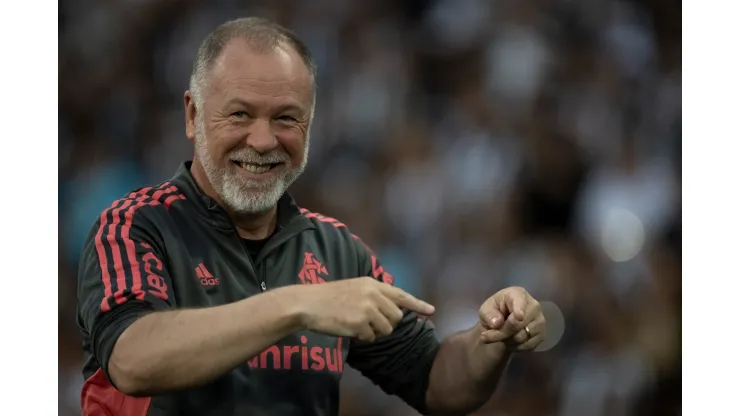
[190, 114]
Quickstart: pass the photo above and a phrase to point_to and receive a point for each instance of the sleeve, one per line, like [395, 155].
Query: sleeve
[122, 275]
[401, 362]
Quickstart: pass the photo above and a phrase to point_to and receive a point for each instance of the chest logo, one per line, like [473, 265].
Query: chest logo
[312, 270]
[206, 278]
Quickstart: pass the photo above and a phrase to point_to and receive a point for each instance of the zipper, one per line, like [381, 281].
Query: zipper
[280, 237]
[263, 285]
[252, 261]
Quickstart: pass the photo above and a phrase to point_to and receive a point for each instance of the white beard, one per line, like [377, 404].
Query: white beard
[247, 196]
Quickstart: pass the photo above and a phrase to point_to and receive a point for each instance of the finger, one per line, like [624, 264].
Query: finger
[512, 325]
[517, 337]
[366, 333]
[533, 312]
[405, 300]
[520, 337]
[490, 317]
[493, 335]
[536, 327]
[507, 330]
[531, 343]
[390, 311]
[516, 331]
[380, 324]
[530, 321]
[516, 302]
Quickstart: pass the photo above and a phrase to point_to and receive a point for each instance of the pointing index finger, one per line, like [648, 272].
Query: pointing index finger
[408, 301]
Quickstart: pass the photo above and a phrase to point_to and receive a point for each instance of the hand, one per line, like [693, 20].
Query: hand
[505, 315]
[361, 308]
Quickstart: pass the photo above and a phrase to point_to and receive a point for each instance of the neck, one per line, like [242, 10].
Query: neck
[255, 226]
[249, 226]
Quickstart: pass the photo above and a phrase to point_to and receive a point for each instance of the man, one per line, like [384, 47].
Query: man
[214, 294]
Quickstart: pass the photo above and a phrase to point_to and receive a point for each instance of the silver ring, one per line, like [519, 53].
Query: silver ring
[529, 334]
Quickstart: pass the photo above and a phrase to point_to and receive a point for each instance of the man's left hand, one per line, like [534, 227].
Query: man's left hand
[514, 317]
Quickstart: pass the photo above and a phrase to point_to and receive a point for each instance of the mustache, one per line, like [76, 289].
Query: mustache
[254, 157]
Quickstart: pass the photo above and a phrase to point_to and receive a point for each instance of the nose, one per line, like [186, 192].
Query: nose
[261, 137]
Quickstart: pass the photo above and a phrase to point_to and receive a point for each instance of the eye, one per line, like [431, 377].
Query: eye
[240, 114]
[288, 119]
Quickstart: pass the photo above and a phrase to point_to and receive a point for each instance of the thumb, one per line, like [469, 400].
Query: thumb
[491, 318]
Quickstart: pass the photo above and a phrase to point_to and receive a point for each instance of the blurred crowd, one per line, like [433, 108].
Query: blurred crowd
[475, 144]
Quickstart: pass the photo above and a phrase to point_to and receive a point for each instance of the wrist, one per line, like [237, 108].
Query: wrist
[290, 307]
[482, 357]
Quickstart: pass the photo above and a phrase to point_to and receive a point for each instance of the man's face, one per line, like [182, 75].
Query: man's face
[251, 132]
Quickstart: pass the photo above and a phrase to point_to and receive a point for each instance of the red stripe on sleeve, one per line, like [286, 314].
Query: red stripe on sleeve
[141, 201]
[158, 195]
[130, 246]
[113, 244]
[103, 259]
[322, 218]
[131, 249]
[129, 207]
[172, 198]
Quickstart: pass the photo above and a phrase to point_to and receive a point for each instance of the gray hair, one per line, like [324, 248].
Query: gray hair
[262, 34]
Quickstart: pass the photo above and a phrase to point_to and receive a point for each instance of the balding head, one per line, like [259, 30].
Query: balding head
[262, 36]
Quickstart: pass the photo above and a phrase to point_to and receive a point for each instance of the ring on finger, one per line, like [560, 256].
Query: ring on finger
[529, 333]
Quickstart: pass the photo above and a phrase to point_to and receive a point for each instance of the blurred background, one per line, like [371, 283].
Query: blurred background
[475, 144]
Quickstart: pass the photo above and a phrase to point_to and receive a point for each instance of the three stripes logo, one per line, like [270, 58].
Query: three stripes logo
[126, 273]
[206, 278]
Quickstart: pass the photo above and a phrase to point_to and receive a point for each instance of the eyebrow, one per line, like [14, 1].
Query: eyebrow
[279, 108]
[289, 107]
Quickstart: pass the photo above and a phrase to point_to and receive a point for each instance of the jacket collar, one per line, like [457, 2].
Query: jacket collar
[288, 211]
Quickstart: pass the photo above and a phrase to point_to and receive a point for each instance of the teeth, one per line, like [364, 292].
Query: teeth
[254, 168]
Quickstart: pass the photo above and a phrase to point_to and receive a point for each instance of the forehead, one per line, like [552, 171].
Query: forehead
[275, 76]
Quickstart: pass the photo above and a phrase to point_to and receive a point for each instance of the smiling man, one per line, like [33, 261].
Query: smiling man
[214, 294]
[228, 96]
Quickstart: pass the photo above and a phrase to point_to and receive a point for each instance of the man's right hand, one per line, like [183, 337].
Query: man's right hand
[362, 307]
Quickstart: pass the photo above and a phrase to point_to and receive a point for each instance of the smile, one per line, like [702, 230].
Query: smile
[256, 168]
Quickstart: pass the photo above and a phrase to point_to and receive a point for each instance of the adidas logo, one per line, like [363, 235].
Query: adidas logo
[206, 278]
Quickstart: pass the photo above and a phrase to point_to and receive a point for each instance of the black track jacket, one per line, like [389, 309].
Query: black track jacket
[171, 246]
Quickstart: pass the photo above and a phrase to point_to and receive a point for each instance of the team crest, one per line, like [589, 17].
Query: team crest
[312, 270]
